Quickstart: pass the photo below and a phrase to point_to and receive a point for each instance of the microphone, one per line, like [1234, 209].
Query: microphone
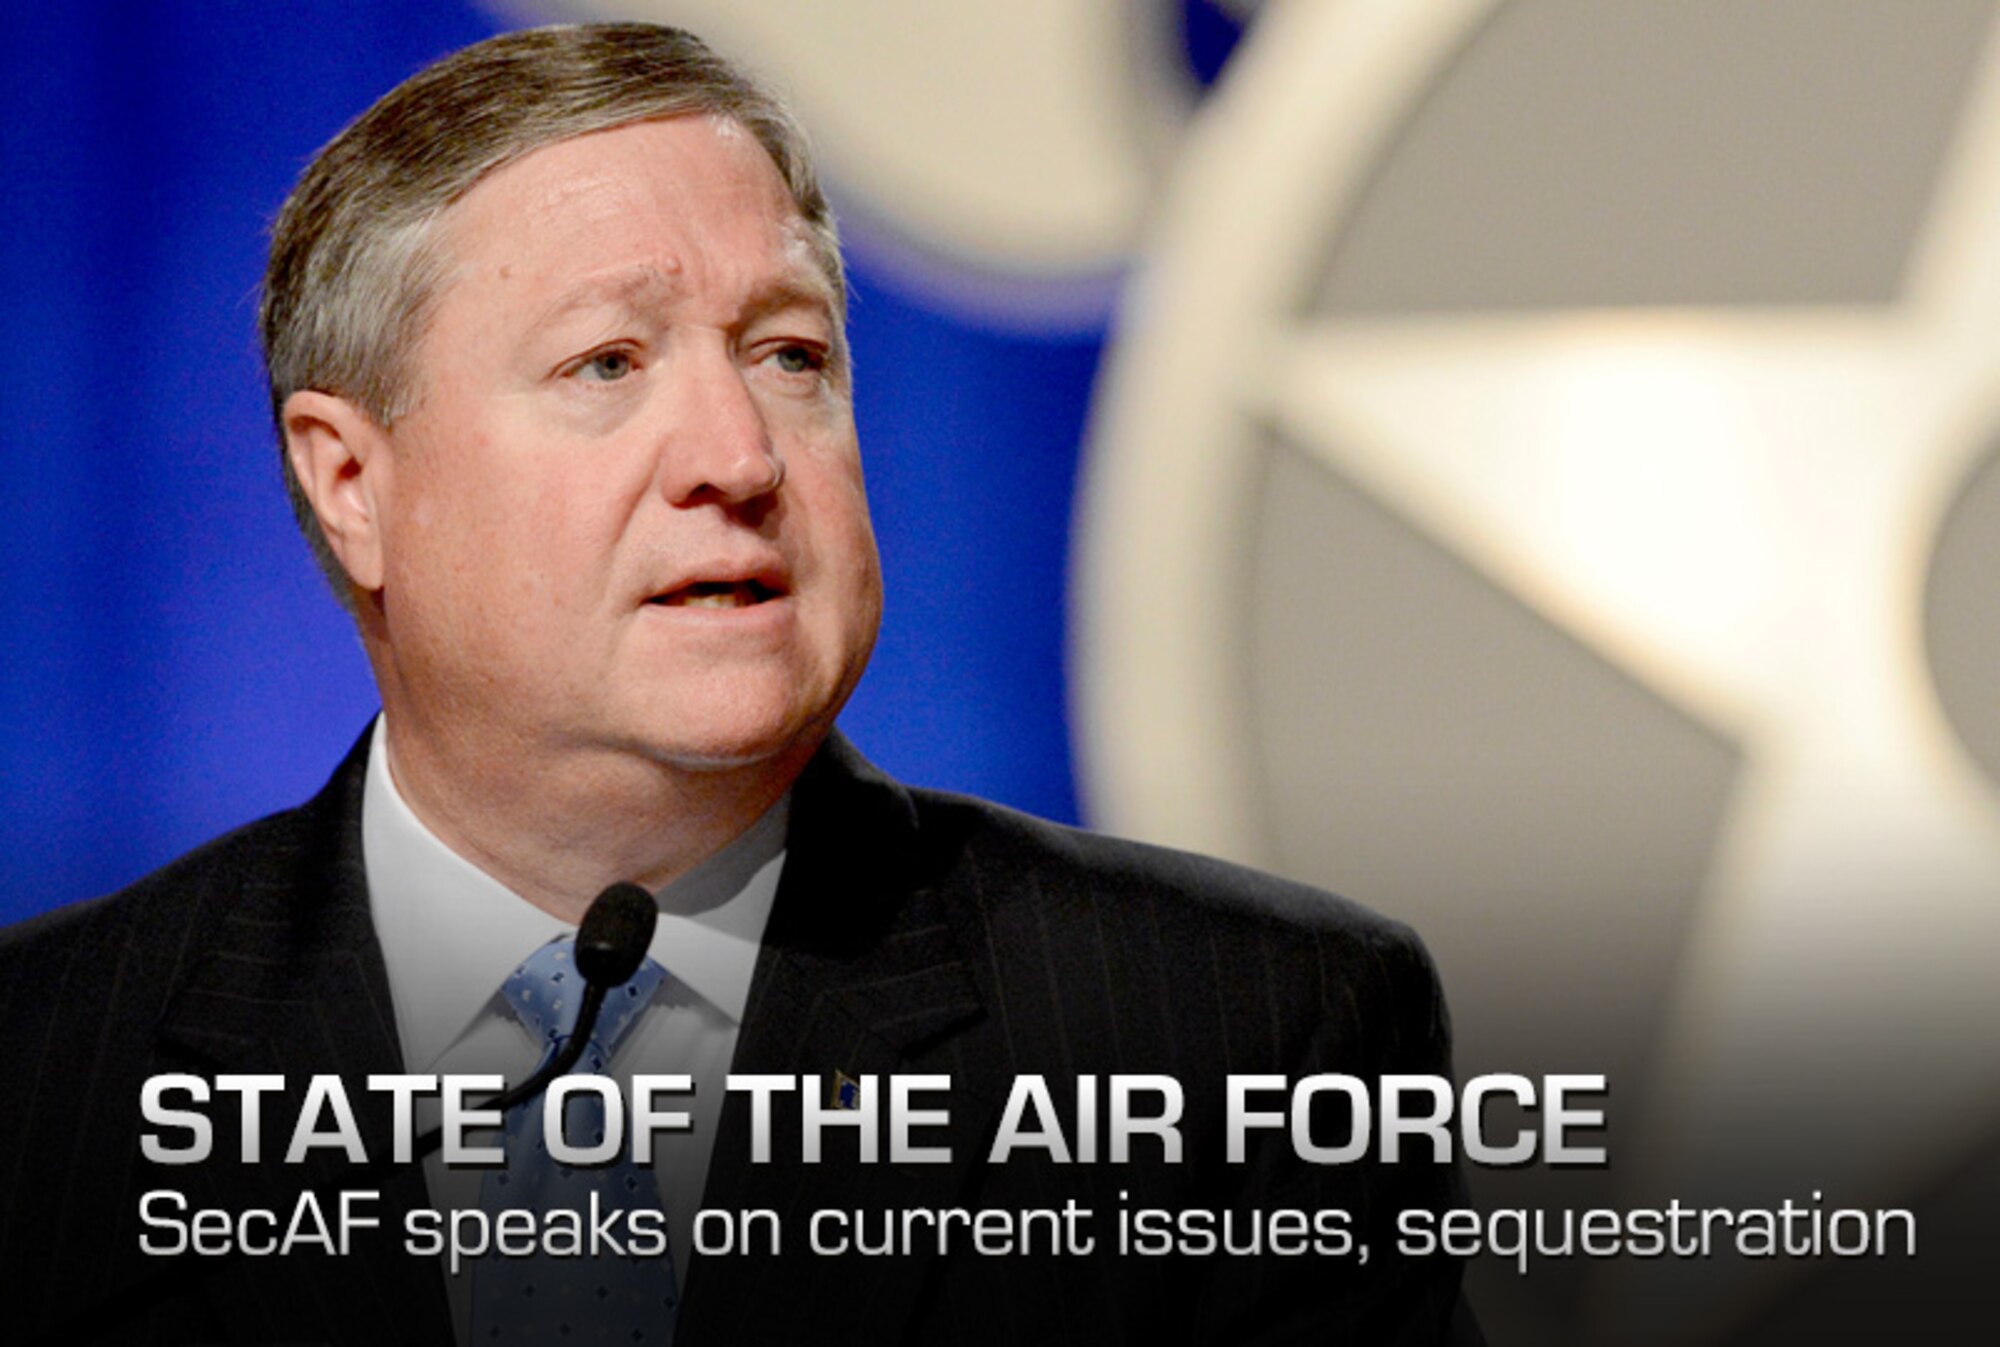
[611, 943]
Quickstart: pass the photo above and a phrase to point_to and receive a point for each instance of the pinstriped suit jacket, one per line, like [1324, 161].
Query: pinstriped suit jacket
[913, 932]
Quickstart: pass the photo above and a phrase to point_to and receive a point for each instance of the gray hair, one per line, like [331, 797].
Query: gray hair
[355, 260]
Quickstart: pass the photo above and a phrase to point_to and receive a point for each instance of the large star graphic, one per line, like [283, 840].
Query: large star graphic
[1736, 507]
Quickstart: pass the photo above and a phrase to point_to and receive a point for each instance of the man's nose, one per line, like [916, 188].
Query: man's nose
[720, 447]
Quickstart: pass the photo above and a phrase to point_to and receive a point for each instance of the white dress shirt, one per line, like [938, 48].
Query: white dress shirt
[451, 934]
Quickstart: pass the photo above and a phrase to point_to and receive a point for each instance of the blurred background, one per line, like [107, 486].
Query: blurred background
[1529, 465]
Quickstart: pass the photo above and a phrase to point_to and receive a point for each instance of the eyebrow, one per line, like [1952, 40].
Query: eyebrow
[806, 290]
[637, 287]
[629, 286]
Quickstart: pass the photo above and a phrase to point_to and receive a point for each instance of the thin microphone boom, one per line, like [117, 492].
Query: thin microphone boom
[610, 945]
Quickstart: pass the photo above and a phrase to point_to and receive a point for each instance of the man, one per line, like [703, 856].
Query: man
[556, 351]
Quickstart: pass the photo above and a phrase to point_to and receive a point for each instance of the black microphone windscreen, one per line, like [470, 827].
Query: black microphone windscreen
[611, 943]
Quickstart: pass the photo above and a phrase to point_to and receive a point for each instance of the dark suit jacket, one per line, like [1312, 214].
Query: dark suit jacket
[913, 932]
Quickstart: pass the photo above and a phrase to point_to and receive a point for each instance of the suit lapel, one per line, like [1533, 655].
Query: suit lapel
[292, 983]
[294, 936]
[861, 973]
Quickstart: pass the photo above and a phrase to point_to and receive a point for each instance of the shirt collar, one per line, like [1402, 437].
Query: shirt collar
[451, 933]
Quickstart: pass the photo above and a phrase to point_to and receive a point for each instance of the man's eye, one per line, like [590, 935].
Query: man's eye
[797, 359]
[606, 366]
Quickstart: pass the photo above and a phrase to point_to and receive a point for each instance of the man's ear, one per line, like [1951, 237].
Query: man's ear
[342, 460]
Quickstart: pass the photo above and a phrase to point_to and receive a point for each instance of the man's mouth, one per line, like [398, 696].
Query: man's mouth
[716, 594]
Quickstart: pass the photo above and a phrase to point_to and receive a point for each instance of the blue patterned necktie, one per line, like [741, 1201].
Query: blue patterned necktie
[547, 1298]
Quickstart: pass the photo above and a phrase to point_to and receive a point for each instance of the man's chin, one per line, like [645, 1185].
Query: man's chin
[721, 755]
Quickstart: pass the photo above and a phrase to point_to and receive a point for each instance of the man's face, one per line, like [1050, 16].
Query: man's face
[625, 513]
